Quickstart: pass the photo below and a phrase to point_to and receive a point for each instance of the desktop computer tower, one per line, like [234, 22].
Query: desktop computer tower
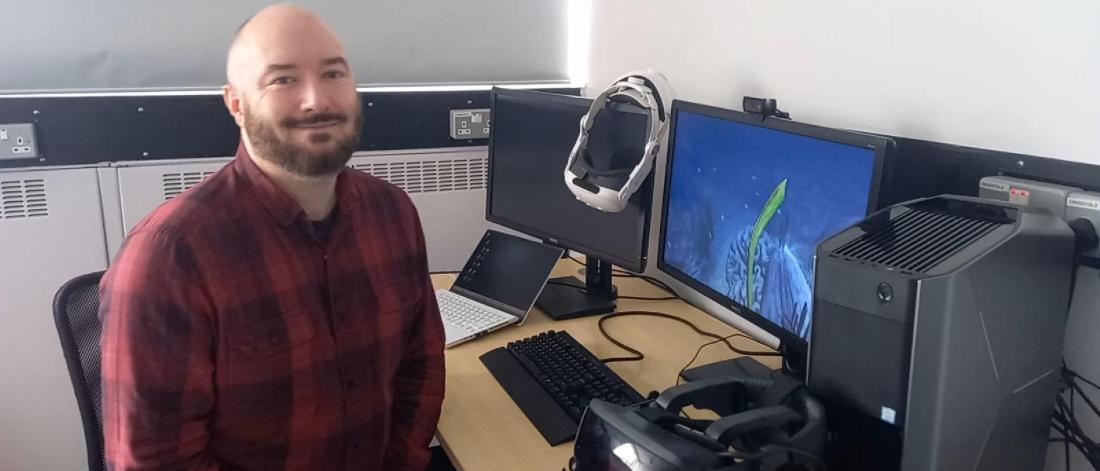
[937, 335]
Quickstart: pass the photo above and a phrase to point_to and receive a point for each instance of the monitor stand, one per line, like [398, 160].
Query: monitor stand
[567, 297]
[794, 366]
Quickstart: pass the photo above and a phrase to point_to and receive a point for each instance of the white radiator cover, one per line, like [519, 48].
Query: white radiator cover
[446, 185]
[51, 230]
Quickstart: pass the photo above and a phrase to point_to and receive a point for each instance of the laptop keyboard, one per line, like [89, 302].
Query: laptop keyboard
[461, 312]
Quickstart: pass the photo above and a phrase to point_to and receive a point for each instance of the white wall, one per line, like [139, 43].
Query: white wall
[978, 73]
[1014, 76]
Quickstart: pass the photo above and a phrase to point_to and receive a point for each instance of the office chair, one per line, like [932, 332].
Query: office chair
[76, 314]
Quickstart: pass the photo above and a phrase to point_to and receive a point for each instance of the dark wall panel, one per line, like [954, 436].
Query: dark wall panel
[86, 130]
[919, 168]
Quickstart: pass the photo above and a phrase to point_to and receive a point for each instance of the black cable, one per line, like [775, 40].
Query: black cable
[1066, 444]
[651, 280]
[1064, 420]
[1074, 387]
[639, 356]
[696, 356]
[1066, 378]
[1071, 439]
[1080, 391]
[1072, 398]
[626, 274]
[1082, 378]
[642, 298]
[1065, 437]
[585, 291]
[1070, 424]
[1073, 376]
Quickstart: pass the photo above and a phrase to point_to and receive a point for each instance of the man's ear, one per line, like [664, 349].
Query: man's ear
[233, 103]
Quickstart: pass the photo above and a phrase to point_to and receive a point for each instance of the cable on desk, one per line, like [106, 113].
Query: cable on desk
[697, 352]
[642, 298]
[585, 291]
[640, 356]
[653, 281]
[649, 279]
[625, 274]
[628, 274]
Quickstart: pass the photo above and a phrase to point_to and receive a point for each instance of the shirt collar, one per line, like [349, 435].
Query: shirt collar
[283, 207]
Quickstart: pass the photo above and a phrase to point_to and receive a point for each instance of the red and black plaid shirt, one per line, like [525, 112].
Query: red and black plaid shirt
[233, 338]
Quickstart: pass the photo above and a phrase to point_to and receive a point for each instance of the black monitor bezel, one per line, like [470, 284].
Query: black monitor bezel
[646, 189]
[789, 340]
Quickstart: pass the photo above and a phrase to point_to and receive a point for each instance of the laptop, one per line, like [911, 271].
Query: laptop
[497, 287]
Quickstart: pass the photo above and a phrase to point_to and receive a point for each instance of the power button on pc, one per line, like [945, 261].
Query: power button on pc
[885, 292]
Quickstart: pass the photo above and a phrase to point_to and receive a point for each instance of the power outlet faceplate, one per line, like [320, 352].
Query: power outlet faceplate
[17, 141]
[470, 124]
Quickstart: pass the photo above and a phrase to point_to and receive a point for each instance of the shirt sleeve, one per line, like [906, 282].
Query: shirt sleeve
[157, 364]
[418, 392]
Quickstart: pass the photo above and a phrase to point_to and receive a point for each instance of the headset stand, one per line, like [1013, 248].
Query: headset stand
[567, 297]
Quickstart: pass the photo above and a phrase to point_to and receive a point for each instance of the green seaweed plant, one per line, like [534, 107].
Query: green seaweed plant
[766, 214]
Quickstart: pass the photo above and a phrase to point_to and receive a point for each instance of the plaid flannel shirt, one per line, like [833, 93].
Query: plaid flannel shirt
[233, 338]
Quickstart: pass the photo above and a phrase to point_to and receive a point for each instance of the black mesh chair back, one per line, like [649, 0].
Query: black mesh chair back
[76, 313]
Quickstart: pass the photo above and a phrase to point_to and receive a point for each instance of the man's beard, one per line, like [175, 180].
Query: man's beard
[296, 159]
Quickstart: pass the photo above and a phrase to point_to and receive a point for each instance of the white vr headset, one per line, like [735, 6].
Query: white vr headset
[647, 89]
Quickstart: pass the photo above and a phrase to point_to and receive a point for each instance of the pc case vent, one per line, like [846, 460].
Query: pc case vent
[431, 176]
[22, 199]
[916, 241]
[176, 183]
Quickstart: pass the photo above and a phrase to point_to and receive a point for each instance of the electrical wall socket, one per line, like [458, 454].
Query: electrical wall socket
[470, 124]
[17, 141]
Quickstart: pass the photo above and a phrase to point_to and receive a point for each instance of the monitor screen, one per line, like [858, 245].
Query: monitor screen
[747, 202]
[508, 270]
[533, 134]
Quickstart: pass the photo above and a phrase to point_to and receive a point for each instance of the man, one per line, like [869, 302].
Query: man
[280, 314]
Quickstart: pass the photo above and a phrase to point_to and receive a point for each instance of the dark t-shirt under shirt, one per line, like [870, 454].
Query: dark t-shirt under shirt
[322, 228]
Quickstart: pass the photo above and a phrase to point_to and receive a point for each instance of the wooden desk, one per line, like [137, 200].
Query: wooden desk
[482, 429]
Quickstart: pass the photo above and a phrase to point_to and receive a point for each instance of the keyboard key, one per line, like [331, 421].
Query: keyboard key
[464, 313]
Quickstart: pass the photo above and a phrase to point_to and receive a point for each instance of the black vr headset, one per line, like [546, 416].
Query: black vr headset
[764, 425]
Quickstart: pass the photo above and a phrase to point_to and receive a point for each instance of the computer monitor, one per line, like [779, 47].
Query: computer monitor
[746, 195]
[532, 136]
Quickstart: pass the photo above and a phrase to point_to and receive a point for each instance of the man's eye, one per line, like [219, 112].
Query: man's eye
[334, 74]
[284, 80]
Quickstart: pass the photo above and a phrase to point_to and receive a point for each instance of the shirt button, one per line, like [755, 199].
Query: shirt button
[351, 384]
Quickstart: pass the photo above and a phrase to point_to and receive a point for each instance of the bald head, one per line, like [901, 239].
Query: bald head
[292, 92]
[274, 30]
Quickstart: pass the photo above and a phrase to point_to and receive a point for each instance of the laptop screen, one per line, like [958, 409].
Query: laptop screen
[508, 269]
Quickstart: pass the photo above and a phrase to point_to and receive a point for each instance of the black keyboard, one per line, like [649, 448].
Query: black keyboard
[552, 378]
